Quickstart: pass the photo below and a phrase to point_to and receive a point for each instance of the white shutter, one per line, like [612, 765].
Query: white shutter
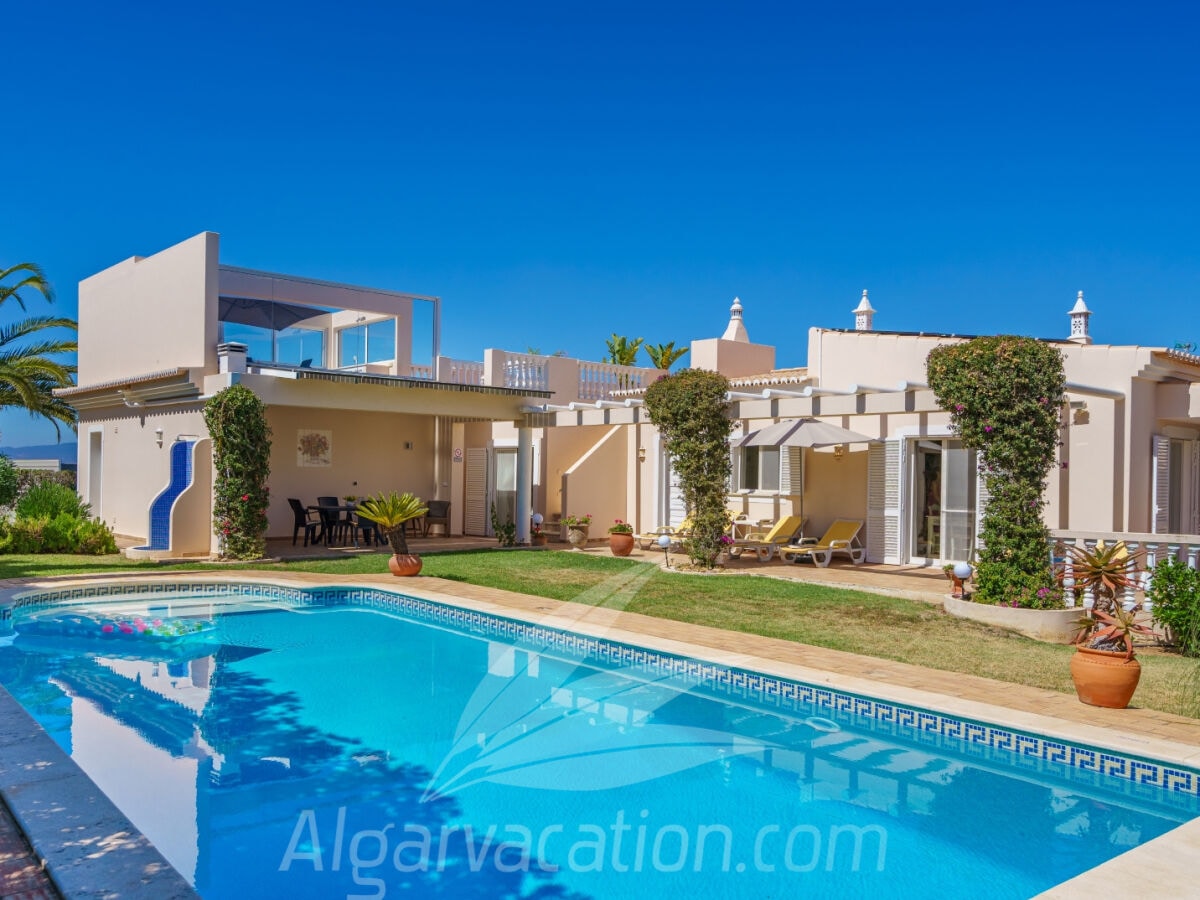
[883, 502]
[1160, 485]
[1194, 491]
[475, 511]
[791, 471]
[676, 510]
[981, 502]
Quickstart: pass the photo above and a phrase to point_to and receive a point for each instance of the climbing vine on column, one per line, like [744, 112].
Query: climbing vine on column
[689, 410]
[237, 422]
[1004, 395]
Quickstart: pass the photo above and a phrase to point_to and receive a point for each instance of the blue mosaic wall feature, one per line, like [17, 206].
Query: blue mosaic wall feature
[160, 509]
[1035, 753]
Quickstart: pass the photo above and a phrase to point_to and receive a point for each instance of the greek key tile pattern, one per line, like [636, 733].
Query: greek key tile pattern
[1038, 755]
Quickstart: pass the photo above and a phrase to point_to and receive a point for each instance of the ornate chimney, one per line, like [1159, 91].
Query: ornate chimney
[735, 330]
[1079, 321]
[863, 314]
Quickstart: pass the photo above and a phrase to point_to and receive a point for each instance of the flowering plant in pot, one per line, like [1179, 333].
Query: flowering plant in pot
[392, 512]
[620, 538]
[577, 529]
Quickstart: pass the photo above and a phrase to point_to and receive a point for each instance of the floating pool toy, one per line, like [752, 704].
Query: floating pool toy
[77, 625]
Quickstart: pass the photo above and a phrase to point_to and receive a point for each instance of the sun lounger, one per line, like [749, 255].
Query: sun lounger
[648, 540]
[842, 537]
[765, 544]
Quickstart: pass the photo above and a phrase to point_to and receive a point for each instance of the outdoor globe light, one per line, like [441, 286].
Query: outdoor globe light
[537, 520]
[963, 571]
[664, 541]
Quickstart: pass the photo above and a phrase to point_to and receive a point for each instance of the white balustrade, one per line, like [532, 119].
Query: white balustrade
[599, 381]
[425, 373]
[459, 371]
[524, 371]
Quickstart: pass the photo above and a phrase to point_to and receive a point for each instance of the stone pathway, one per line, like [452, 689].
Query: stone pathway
[21, 874]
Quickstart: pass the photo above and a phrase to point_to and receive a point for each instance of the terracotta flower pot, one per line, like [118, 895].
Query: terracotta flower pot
[405, 564]
[620, 544]
[1105, 677]
[539, 540]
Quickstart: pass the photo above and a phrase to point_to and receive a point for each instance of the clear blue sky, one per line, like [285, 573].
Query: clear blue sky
[560, 171]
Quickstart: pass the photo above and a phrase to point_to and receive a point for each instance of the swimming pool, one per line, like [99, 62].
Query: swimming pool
[357, 742]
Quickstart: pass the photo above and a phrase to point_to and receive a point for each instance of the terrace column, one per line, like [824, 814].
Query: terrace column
[524, 470]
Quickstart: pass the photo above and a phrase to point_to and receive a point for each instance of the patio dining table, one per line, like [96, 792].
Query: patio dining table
[331, 518]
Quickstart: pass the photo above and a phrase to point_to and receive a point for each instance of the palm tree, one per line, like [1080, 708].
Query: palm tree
[622, 351]
[663, 356]
[28, 372]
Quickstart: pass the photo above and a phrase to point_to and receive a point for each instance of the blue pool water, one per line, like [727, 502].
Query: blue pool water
[337, 747]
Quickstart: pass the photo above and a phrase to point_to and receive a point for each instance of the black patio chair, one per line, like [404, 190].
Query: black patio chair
[370, 530]
[304, 519]
[332, 519]
[439, 514]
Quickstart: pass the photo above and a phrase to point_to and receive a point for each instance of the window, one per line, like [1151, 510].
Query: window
[757, 469]
[371, 343]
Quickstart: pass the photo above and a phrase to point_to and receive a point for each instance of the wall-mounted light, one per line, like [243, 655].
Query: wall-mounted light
[158, 436]
[641, 454]
[838, 451]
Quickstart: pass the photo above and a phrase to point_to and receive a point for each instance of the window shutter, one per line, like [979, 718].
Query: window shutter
[981, 502]
[676, 509]
[1195, 490]
[883, 502]
[791, 471]
[475, 492]
[1160, 500]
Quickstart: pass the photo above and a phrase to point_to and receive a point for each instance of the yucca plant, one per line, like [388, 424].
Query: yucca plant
[1112, 631]
[391, 512]
[1107, 569]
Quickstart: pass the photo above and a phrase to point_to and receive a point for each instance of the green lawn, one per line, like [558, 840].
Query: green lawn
[872, 625]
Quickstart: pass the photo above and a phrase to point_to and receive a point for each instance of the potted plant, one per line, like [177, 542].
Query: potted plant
[725, 543]
[1103, 668]
[620, 538]
[392, 512]
[537, 537]
[577, 529]
[1103, 571]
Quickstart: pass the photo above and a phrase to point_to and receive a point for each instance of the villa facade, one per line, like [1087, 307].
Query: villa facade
[357, 406]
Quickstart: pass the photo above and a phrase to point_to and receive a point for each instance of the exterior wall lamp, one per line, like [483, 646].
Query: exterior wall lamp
[641, 454]
[838, 451]
[158, 436]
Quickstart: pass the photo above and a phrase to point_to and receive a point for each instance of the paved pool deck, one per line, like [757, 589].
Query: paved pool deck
[1161, 868]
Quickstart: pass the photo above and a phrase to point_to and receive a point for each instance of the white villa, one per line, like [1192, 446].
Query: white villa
[353, 412]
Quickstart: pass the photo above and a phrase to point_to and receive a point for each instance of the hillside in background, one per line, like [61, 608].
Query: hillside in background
[65, 452]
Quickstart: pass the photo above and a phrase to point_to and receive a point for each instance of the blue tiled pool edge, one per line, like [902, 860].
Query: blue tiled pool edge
[922, 724]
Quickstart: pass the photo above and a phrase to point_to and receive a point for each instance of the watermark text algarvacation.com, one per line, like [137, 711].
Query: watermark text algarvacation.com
[626, 844]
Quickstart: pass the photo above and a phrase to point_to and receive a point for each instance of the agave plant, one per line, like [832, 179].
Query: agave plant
[391, 512]
[1110, 631]
[1107, 569]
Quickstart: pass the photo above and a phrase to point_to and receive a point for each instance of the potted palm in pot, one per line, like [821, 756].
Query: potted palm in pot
[392, 513]
[1103, 668]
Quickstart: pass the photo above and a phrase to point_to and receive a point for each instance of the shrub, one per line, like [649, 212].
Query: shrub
[506, 531]
[93, 537]
[1004, 395]
[48, 499]
[1175, 591]
[237, 421]
[25, 535]
[689, 410]
[10, 481]
[27, 478]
